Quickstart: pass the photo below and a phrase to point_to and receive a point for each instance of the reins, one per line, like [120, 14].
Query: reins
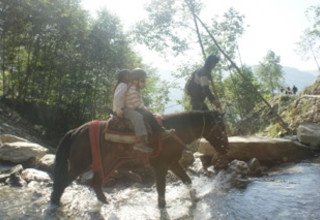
[211, 129]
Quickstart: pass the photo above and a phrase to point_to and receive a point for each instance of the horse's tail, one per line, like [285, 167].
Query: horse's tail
[60, 171]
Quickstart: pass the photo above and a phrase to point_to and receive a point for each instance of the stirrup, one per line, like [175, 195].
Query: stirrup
[167, 133]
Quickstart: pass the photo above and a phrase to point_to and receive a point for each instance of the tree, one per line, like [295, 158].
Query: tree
[269, 73]
[55, 57]
[239, 96]
[156, 93]
[309, 44]
[172, 26]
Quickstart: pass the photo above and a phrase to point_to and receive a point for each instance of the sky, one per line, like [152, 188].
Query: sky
[271, 25]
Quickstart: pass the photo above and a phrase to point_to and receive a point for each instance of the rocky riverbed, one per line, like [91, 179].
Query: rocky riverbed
[263, 180]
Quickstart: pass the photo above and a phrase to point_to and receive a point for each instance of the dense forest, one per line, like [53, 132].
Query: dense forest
[58, 63]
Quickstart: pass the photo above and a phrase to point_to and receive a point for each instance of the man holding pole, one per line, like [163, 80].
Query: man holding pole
[197, 86]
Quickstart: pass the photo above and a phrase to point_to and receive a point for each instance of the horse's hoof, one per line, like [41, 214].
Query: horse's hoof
[55, 201]
[103, 200]
[54, 204]
[161, 202]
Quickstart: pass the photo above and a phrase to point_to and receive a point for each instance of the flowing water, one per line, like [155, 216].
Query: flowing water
[288, 192]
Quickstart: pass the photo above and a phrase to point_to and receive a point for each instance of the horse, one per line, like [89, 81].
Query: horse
[74, 157]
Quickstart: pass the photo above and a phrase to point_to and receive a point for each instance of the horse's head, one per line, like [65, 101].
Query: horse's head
[215, 130]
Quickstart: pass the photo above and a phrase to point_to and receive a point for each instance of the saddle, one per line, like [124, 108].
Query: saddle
[120, 130]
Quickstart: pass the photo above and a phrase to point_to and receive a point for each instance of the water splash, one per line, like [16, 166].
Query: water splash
[288, 192]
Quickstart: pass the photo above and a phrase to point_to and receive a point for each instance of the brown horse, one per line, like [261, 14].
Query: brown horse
[74, 156]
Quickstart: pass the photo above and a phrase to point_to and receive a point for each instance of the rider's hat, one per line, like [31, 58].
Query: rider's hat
[138, 74]
[123, 73]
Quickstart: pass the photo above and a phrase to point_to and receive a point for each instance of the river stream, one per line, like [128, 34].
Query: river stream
[289, 191]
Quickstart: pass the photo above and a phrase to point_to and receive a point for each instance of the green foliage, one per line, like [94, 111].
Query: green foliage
[269, 73]
[240, 99]
[162, 30]
[156, 93]
[309, 44]
[227, 31]
[54, 56]
[165, 21]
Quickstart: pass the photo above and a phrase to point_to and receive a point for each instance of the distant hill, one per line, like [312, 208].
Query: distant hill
[314, 72]
[301, 79]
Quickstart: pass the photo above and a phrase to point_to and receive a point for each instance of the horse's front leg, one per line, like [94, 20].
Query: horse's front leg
[180, 172]
[177, 169]
[97, 187]
[160, 173]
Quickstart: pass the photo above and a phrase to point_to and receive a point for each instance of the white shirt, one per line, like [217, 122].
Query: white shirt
[119, 98]
[201, 80]
[133, 98]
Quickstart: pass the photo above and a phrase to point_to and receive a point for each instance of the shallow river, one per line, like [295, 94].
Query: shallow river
[288, 192]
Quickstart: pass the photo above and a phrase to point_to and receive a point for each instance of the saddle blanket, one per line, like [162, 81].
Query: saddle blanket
[120, 131]
[123, 138]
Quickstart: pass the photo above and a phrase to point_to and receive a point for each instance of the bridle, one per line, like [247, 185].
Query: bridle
[211, 129]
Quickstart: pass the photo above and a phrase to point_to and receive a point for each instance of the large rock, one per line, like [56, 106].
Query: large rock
[266, 150]
[46, 163]
[31, 174]
[9, 138]
[21, 152]
[187, 159]
[309, 134]
[4, 174]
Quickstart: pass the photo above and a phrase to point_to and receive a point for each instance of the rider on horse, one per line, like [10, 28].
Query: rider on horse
[135, 111]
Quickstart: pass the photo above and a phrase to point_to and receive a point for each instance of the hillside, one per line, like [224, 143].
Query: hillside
[293, 109]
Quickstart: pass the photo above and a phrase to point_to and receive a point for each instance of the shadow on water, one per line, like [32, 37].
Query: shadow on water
[288, 192]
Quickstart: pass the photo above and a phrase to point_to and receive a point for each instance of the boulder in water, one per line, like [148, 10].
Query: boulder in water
[187, 159]
[21, 152]
[46, 163]
[31, 174]
[8, 172]
[269, 151]
[309, 134]
[9, 138]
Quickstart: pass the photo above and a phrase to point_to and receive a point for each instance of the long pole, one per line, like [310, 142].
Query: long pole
[280, 120]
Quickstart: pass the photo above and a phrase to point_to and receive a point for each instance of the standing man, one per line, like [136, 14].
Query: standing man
[294, 89]
[197, 86]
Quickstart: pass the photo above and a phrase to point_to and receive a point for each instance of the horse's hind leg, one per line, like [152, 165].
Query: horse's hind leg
[179, 172]
[161, 172]
[78, 168]
[62, 182]
[96, 184]
[58, 189]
